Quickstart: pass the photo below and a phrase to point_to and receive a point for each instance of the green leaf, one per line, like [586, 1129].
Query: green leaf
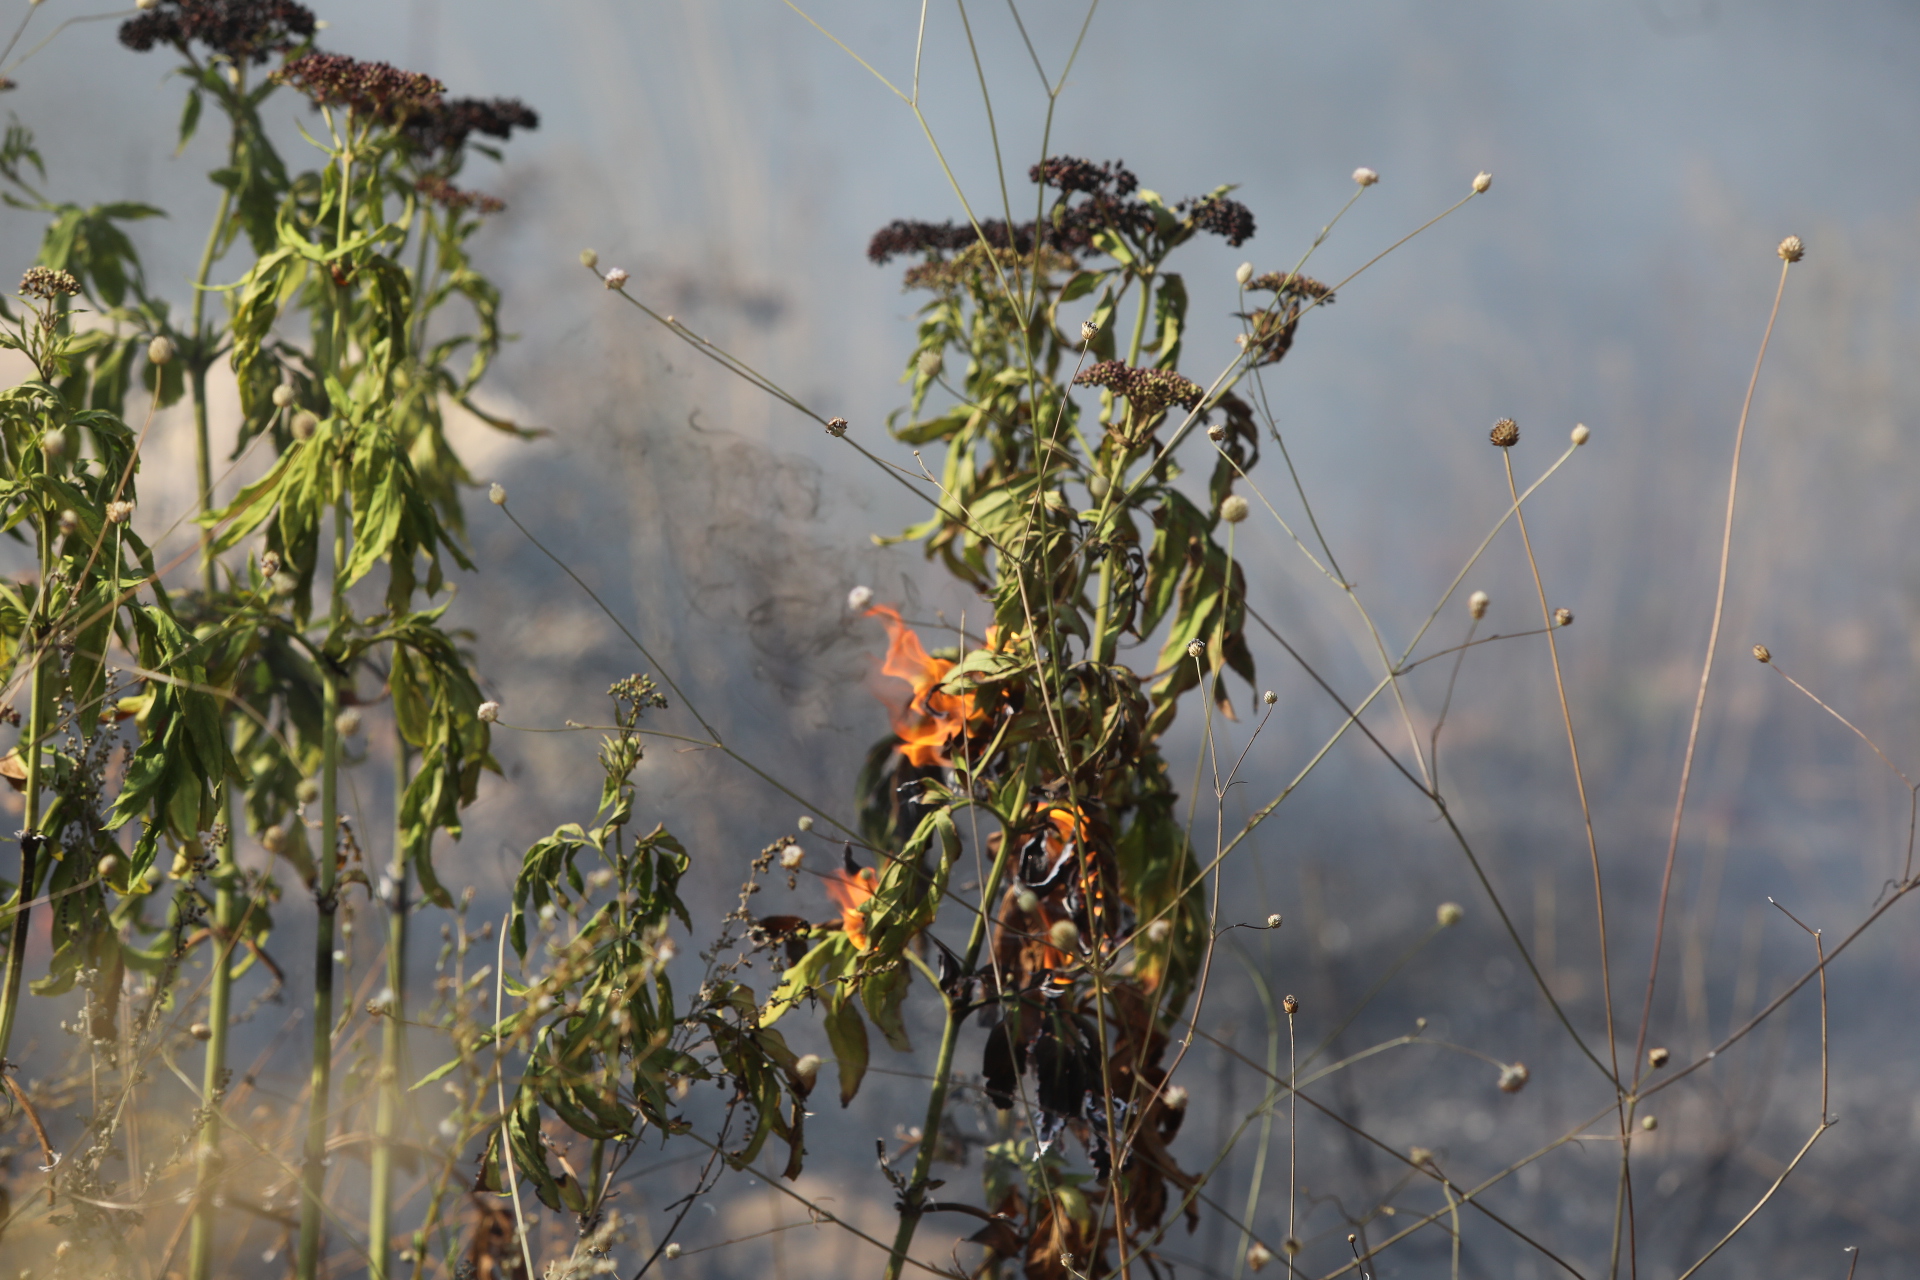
[847, 1034]
[189, 119]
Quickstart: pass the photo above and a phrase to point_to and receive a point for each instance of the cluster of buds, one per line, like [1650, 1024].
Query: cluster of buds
[377, 89]
[46, 284]
[1149, 391]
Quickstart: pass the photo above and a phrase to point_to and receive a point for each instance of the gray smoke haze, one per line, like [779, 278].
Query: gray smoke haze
[1647, 157]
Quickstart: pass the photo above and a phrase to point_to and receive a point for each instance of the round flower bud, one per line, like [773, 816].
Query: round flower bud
[108, 865]
[1792, 250]
[1233, 508]
[589, 259]
[836, 427]
[269, 564]
[1365, 177]
[672, 1251]
[1657, 1058]
[1027, 900]
[791, 855]
[1563, 617]
[304, 424]
[200, 1031]
[1269, 697]
[307, 792]
[1477, 604]
[1064, 935]
[617, 278]
[1175, 1098]
[1258, 1255]
[1216, 433]
[1505, 433]
[347, 723]
[1158, 931]
[160, 350]
[488, 712]
[69, 521]
[1243, 273]
[497, 494]
[1273, 921]
[1291, 1004]
[1292, 1246]
[930, 364]
[1087, 330]
[1450, 914]
[1762, 653]
[54, 445]
[1481, 182]
[1580, 434]
[859, 598]
[804, 822]
[282, 396]
[273, 839]
[806, 1071]
[1649, 1123]
[1513, 1078]
[1098, 487]
[1196, 647]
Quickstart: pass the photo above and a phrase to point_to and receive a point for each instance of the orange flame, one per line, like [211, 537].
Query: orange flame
[927, 720]
[849, 891]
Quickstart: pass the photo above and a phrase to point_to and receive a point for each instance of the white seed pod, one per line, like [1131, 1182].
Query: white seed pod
[200, 1031]
[931, 363]
[589, 259]
[1269, 697]
[1481, 182]
[665, 950]
[1513, 1078]
[1563, 617]
[1216, 433]
[1233, 508]
[1195, 648]
[804, 822]
[488, 712]
[1064, 935]
[1027, 900]
[304, 424]
[617, 278]
[1158, 931]
[107, 866]
[273, 839]
[1450, 914]
[1273, 921]
[1243, 273]
[347, 723]
[1175, 1098]
[1658, 1058]
[836, 427]
[672, 1251]
[54, 445]
[1792, 250]
[1762, 653]
[285, 584]
[69, 521]
[1477, 604]
[1580, 435]
[858, 599]
[497, 494]
[1098, 487]
[1649, 1123]
[160, 350]
[791, 856]
[806, 1070]
[1258, 1255]
[1365, 177]
[282, 396]
[307, 792]
[1088, 330]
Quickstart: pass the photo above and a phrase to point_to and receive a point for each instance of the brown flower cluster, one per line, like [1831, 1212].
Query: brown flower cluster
[46, 284]
[1273, 327]
[1228, 219]
[904, 235]
[444, 127]
[441, 192]
[1149, 391]
[1289, 284]
[376, 89]
[243, 30]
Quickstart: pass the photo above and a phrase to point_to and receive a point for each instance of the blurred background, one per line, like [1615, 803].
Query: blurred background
[1647, 157]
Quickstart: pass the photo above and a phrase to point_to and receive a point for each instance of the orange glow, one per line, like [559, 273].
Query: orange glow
[926, 721]
[849, 892]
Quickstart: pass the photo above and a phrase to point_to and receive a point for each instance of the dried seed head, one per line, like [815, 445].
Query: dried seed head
[1291, 1004]
[1175, 1098]
[1450, 914]
[1291, 1246]
[1513, 1078]
[119, 512]
[273, 839]
[1064, 935]
[931, 363]
[1098, 487]
[1233, 508]
[54, 445]
[1027, 900]
[47, 284]
[791, 856]
[305, 423]
[1792, 250]
[804, 822]
[1649, 1123]
[160, 350]
[859, 598]
[1273, 921]
[1658, 1058]
[836, 427]
[1505, 433]
[69, 521]
[671, 1252]
[1269, 697]
[200, 1031]
[1243, 273]
[1563, 617]
[617, 278]
[497, 494]
[1365, 177]
[1419, 1155]
[488, 712]
[1088, 330]
[589, 259]
[1481, 182]
[1157, 931]
[1580, 435]
[1762, 653]
[1258, 1255]
[1216, 433]
[107, 866]
[1477, 604]
[307, 792]
[282, 396]
[1196, 647]
[806, 1070]
[347, 723]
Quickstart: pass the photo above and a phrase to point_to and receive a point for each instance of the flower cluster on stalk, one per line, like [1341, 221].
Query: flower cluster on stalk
[378, 90]
[444, 127]
[242, 30]
[1149, 391]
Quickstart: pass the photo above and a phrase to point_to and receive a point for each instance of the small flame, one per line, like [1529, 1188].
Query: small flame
[927, 720]
[849, 891]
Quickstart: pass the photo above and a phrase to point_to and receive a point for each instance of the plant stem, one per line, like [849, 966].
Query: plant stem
[392, 1033]
[912, 1203]
[29, 837]
[313, 1173]
[1099, 649]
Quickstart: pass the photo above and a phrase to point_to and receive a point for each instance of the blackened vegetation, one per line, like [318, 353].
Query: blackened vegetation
[444, 127]
[376, 89]
[1106, 203]
[243, 30]
[1272, 327]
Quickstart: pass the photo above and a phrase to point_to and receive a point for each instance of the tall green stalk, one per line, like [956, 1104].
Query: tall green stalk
[313, 1169]
[30, 840]
[392, 1036]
